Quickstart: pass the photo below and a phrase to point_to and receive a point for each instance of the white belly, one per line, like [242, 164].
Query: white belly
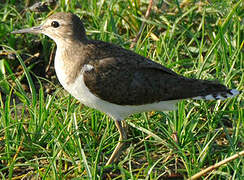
[79, 90]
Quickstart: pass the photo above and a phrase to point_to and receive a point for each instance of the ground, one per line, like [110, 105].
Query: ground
[47, 134]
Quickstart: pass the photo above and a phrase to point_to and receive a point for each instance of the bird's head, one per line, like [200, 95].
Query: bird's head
[60, 27]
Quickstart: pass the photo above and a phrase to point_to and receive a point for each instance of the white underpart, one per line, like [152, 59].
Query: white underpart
[79, 90]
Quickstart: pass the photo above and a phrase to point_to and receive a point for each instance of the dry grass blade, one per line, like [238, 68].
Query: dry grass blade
[143, 24]
[215, 166]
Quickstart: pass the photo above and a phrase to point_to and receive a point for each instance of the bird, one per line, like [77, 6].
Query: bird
[117, 81]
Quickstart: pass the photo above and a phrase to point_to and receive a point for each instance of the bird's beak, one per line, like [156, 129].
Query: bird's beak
[35, 30]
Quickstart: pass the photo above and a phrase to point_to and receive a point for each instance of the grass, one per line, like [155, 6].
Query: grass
[51, 136]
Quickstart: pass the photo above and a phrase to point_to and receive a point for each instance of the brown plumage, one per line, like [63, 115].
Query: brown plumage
[114, 80]
[123, 77]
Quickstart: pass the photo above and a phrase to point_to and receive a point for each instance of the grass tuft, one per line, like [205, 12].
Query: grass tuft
[47, 134]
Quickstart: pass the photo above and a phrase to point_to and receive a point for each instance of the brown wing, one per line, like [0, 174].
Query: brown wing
[131, 79]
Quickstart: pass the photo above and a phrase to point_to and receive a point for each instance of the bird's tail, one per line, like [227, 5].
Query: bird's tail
[222, 95]
[214, 91]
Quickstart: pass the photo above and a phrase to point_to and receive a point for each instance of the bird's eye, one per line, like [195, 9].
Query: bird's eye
[55, 24]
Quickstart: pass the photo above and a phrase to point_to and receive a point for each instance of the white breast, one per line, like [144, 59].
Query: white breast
[79, 90]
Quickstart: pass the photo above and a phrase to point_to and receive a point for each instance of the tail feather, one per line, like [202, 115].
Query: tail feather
[203, 89]
[222, 95]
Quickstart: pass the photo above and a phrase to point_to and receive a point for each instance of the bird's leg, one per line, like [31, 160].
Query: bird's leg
[122, 137]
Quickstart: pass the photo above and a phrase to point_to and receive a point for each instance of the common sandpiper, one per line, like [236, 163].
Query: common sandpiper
[115, 80]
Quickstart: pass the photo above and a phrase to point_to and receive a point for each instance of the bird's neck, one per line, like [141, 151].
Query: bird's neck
[68, 61]
[70, 41]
